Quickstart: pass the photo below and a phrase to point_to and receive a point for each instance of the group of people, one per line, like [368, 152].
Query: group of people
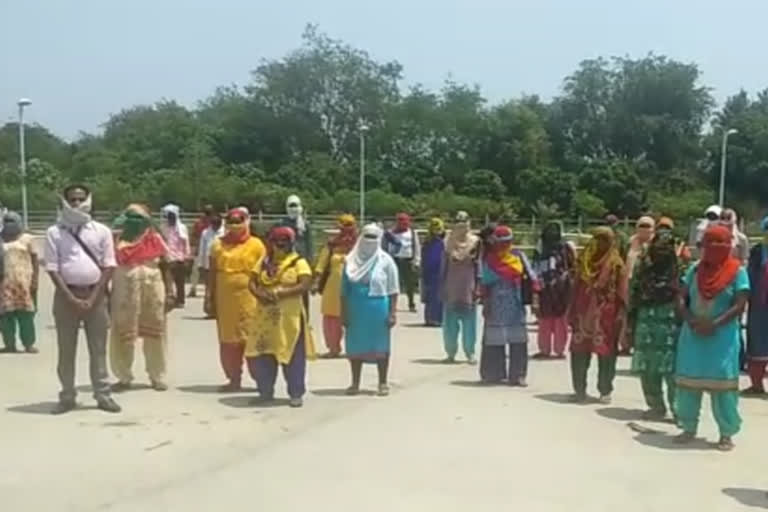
[680, 318]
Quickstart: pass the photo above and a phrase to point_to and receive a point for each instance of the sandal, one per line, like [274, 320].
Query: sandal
[383, 390]
[352, 391]
[725, 444]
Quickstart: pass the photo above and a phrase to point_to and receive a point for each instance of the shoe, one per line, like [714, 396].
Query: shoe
[540, 356]
[725, 444]
[8, 350]
[654, 415]
[31, 350]
[121, 387]
[383, 390]
[685, 438]
[232, 387]
[331, 355]
[605, 399]
[412, 309]
[107, 404]
[753, 391]
[352, 391]
[471, 361]
[296, 403]
[64, 407]
[519, 383]
[160, 386]
[449, 360]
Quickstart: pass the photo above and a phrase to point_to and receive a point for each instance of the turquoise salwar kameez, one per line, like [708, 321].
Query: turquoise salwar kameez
[710, 363]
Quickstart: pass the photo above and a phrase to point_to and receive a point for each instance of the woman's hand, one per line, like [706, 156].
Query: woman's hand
[265, 296]
[703, 326]
[392, 319]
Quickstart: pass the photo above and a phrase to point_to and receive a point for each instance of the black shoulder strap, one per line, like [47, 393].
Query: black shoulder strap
[84, 246]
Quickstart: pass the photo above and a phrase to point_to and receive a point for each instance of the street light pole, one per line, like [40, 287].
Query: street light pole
[23, 102]
[363, 130]
[724, 163]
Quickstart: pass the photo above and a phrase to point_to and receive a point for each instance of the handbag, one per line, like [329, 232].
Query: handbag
[89, 252]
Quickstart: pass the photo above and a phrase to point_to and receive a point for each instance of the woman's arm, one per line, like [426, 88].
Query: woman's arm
[734, 312]
[300, 288]
[209, 305]
[393, 310]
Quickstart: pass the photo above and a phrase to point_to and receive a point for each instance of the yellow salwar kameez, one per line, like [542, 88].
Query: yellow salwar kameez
[280, 332]
[331, 264]
[235, 306]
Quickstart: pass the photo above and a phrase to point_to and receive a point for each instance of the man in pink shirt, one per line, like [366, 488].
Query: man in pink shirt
[80, 258]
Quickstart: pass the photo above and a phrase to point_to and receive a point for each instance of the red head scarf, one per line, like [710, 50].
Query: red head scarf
[282, 233]
[718, 267]
[237, 229]
[403, 223]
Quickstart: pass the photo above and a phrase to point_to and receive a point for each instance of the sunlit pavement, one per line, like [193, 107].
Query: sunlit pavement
[439, 442]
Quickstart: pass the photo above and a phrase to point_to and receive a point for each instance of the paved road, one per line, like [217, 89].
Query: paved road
[439, 442]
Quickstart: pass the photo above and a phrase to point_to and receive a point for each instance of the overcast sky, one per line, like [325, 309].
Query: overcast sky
[80, 60]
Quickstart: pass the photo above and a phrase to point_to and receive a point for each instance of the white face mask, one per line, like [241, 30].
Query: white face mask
[75, 216]
[368, 248]
[294, 211]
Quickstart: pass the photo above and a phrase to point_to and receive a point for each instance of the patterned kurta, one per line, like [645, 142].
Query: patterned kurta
[656, 333]
[16, 288]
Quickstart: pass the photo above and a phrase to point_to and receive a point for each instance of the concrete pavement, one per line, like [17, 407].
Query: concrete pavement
[439, 442]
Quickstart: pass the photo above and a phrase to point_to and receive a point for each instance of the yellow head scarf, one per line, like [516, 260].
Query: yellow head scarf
[593, 267]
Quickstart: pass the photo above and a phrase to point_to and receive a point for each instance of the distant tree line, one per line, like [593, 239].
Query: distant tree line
[625, 136]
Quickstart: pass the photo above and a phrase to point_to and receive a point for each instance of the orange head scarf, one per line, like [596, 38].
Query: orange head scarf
[718, 267]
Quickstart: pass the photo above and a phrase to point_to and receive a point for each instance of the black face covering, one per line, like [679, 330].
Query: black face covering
[171, 217]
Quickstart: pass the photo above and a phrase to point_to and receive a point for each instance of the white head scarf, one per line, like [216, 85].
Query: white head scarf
[296, 213]
[369, 262]
[179, 226]
[75, 217]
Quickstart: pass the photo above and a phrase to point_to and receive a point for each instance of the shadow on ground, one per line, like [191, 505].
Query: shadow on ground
[556, 398]
[211, 389]
[433, 362]
[45, 408]
[750, 497]
[621, 413]
[473, 384]
[663, 441]
[252, 402]
[342, 393]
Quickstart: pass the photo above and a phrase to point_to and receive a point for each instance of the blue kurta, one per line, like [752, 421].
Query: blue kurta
[757, 317]
[368, 332]
[431, 276]
[711, 363]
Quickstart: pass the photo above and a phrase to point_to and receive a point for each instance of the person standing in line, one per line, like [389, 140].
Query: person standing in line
[638, 244]
[459, 289]
[196, 239]
[80, 259]
[715, 294]
[18, 300]
[297, 221]
[432, 254]
[653, 323]
[234, 258]
[281, 335]
[622, 241]
[554, 262]
[711, 217]
[757, 315]
[682, 251]
[177, 237]
[597, 313]
[405, 248]
[729, 219]
[503, 271]
[328, 276]
[369, 307]
[142, 294]
[212, 233]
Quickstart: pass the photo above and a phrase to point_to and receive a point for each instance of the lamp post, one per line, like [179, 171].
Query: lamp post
[363, 127]
[724, 163]
[23, 102]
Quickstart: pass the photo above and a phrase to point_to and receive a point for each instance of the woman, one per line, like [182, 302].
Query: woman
[502, 276]
[19, 286]
[369, 305]
[328, 274]
[142, 294]
[431, 262]
[234, 258]
[715, 295]
[654, 324]
[597, 313]
[281, 334]
[757, 315]
[682, 251]
[459, 289]
[553, 261]
[639, 242]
